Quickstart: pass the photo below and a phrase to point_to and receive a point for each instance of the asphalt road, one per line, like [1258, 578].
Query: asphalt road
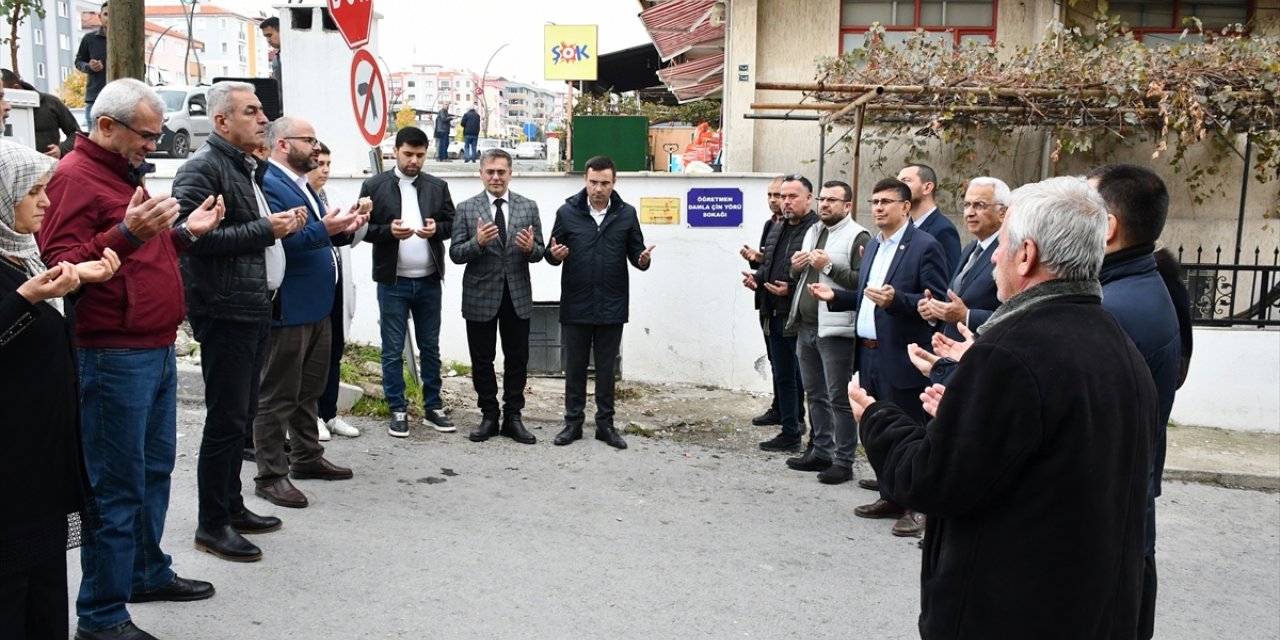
[437, 537]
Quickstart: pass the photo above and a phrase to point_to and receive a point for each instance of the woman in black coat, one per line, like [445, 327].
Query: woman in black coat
[44, 493]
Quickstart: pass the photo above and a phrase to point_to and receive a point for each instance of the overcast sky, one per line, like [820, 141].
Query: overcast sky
[464, 34]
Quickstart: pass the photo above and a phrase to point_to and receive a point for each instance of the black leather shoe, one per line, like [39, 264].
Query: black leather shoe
[178, 590]
[249, 522]
[767, 418]
[611, 437]
[488, 428]
[835, 474]
[810, 461]
[225, 543]
[567, 435]
[781, 443]
[125, 631]
[513, 427]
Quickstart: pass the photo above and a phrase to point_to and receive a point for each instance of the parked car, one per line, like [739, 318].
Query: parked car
[535, 150]
[186, 120]
[484, 144]
[388, 147]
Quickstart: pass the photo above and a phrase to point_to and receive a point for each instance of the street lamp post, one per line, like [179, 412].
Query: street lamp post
[484, 98]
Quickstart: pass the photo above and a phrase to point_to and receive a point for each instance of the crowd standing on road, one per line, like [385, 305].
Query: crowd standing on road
[1016, 390]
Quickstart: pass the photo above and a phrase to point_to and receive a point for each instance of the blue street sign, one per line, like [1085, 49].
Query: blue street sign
[714, 207]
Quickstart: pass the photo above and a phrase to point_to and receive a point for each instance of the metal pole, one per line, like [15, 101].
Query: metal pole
[484, 98]
[822, 151]
[857, 159]
[1244, 194]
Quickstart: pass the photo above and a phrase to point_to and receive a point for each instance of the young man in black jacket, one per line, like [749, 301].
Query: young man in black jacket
[594, 236]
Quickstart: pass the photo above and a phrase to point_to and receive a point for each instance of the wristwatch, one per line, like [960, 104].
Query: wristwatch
[187, 232]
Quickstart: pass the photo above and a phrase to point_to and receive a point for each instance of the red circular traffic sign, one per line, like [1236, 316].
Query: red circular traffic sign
[354, 19]
[368, 97]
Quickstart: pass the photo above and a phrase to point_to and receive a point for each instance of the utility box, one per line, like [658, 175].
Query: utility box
[546, 355]
[20, 126]
[625, 139]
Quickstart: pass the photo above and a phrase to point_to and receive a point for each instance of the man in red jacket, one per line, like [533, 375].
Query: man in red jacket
[125, 331]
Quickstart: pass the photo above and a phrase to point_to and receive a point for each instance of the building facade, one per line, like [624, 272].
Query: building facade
[233, 45]
[47, 46]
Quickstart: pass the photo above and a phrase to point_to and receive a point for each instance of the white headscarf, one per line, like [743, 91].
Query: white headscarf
[20, 169]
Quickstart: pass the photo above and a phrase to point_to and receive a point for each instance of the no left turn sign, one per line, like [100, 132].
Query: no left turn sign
[368, 97]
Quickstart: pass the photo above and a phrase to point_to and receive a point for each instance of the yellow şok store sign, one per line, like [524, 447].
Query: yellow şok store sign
[569, 52]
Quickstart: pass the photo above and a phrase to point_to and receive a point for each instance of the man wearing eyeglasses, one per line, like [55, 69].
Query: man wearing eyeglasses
[296, 368]
[971, 296]
[831, 255]
[775, 278]
[925, 214]
[900, 265]
[125, 330]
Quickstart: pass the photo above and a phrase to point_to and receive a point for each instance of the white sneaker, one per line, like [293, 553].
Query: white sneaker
[324, 431]
[339, 426]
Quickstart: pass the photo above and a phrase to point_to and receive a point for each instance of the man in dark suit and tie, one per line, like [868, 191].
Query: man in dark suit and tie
[925, 214]
[296, 368]
[412, 215]
[497, 234]
[898, 267]
[971, 299]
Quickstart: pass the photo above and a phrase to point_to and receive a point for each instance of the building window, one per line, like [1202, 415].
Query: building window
[965, 19]
[64, 72]
[64, 42]
[1162, 22]
[39, 69]
[63, 10]
[224, 48]
[222, 24]
[38, 36]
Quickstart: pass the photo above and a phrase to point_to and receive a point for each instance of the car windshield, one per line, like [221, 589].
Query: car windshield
[173, 99]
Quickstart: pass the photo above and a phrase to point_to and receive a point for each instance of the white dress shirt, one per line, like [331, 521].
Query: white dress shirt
[886, 248]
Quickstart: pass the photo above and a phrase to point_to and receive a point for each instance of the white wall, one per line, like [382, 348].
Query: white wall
[1234, 381]
[691, 319]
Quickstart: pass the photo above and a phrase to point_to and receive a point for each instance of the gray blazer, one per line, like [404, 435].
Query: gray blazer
[488, 268]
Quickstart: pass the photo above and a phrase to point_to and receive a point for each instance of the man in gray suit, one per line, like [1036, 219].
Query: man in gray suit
[497, 234]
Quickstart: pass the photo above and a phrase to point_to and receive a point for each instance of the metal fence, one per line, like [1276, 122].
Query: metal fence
[1234, 293]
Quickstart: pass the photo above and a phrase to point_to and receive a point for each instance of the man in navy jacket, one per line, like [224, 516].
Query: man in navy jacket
[1134, 292]
[971, 296]
[925, 214]
[595, 235]
[296, 369]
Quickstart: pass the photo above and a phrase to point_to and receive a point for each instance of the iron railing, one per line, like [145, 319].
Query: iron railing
[1232, 294]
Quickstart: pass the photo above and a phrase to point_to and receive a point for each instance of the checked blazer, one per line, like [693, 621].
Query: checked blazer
[491, 267]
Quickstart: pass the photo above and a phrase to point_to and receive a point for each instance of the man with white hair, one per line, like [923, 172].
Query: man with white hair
[231, 277]
[1034, 469]
[125, 331]
[971, 296]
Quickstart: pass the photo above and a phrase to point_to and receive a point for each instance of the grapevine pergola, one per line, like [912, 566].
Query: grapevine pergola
[1081, 88]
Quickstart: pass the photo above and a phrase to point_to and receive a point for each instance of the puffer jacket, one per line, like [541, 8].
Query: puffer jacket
[225, 272]
[594, 285]
[781, 305]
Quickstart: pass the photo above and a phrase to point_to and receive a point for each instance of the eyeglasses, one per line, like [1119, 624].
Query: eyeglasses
[980, 206]
[882, 202]
[831, 200]
[146, 137]
[307, 139]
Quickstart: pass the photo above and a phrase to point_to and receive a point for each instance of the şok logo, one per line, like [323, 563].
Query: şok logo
[569, 53]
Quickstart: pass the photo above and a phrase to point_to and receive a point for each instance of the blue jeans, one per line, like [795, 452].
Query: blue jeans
[129, 416]
[421, 297]
[786, 373]
[469, 148]
[442, 147]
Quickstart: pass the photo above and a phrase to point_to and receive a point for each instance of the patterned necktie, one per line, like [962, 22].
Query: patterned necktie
[500, 220]
[973, 259]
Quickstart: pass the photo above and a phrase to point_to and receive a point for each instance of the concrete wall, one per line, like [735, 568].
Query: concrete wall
[691, 319]
[1234, 381]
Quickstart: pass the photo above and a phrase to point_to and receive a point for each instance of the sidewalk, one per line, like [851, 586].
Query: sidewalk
[721, 418]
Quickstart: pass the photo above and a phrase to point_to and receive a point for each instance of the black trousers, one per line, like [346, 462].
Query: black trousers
[327, 407]
[578, 342]
[231, 355]
[482, 342]
[33, 601]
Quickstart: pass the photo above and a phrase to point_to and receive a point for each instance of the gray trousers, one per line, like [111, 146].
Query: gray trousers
[294, 376]
[826, 366]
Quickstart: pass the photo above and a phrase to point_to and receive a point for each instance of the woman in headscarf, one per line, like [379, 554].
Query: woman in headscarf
[44, 495]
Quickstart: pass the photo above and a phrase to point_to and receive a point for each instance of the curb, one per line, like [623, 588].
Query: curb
[191, 388]
[1249, 481]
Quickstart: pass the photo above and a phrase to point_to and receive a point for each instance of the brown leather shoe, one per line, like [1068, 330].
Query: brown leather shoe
[879, 509]
[870, 484]
[910, 525]
[321, 469]
[281, 493]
